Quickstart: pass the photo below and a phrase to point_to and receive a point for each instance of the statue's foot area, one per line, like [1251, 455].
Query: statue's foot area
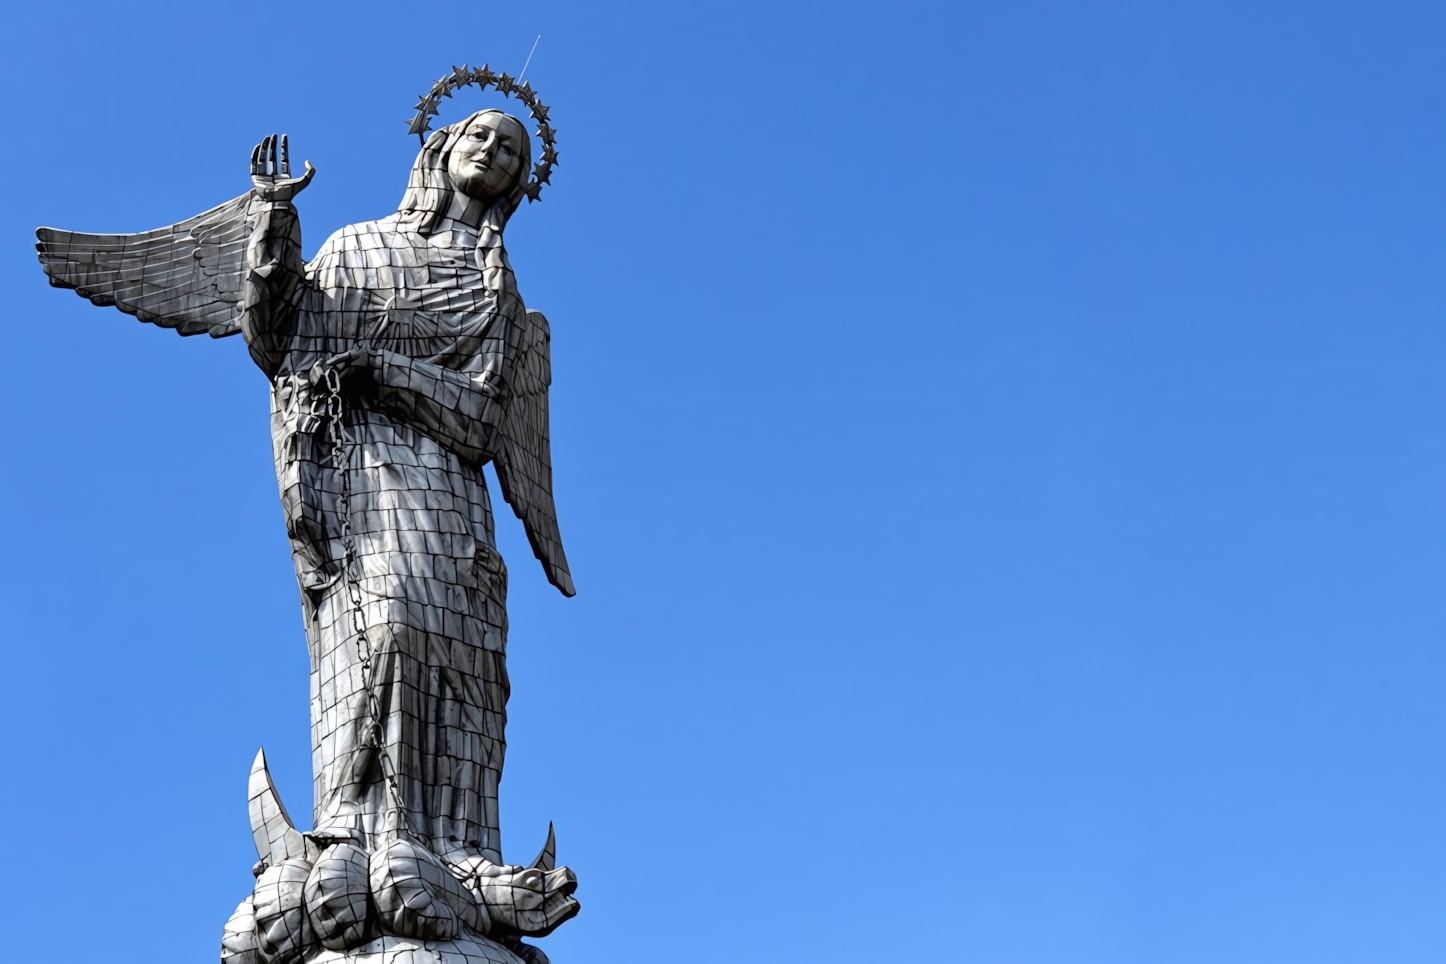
[328, 894]
[345, 899]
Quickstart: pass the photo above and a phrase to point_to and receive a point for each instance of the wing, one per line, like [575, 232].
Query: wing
[186, 276]
[525, 466]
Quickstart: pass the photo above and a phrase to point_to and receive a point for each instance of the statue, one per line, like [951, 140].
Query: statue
[401, 360]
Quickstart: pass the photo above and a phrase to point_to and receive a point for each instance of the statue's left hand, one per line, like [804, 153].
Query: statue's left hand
[271, 171]
[347, 364]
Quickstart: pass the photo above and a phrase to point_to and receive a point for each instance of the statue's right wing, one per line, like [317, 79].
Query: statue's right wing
[186, 276]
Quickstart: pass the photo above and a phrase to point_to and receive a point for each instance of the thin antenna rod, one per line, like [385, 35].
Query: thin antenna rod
[529, 58]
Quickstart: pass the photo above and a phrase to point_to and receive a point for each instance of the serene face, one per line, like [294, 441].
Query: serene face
[486, 161]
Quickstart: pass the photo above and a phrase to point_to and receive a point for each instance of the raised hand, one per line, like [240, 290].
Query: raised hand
[271, 171]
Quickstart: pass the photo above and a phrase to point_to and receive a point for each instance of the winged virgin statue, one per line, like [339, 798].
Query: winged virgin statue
[401, 360]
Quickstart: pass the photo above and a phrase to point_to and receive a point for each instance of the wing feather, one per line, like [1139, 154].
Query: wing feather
[525, 469]
[186, 276]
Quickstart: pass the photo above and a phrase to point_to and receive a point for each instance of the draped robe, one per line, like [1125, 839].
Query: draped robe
[433, 584]
[442, 371]
[456, 376]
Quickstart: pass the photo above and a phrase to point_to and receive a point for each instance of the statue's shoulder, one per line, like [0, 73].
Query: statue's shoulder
[348, 247]
[358, 237]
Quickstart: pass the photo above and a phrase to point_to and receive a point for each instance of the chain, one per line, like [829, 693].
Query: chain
[331, 409]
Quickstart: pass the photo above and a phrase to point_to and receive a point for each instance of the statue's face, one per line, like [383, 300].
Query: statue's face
[485, 161]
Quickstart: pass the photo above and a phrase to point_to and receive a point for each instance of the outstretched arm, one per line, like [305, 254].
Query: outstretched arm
[462, 410]
[274, 269]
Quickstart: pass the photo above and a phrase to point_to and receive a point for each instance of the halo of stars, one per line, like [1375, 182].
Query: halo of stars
[427, 106]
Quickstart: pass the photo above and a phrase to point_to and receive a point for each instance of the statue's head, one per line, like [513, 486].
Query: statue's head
[486, 157]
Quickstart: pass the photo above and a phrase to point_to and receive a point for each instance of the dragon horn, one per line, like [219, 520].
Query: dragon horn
[548, 858]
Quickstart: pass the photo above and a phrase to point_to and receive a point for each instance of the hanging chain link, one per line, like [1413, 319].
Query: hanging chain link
[331, 409]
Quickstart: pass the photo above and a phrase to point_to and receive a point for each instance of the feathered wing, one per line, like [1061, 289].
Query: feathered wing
[186, 276]
[524, 466]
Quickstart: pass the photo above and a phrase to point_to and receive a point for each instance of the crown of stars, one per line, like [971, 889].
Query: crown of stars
[506, 86]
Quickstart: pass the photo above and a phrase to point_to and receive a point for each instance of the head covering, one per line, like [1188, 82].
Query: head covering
[430, 188]
[474, 345]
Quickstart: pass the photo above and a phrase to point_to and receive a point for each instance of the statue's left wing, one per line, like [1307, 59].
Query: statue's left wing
[186, 276]
[524, 464]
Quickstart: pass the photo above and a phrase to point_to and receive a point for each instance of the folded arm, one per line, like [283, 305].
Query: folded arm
[461, 410]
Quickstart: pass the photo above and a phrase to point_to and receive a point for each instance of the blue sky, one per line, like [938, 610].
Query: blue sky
[1000, 450]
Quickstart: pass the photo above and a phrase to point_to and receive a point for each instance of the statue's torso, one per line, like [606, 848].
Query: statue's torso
[417, 508]
[381, 285]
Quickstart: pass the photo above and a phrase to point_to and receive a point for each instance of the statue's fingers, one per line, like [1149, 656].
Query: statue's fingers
[285, 157]
[256, 160]
[306, 178]
[275, 143]
[265, 154]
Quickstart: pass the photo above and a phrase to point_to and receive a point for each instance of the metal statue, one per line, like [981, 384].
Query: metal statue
[401, 360]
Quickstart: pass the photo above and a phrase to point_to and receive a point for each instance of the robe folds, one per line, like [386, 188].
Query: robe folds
[439, 309]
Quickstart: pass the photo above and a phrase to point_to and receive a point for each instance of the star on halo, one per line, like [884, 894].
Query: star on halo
[465, 76]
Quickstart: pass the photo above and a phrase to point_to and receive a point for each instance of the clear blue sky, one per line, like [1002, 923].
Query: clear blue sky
[1001, 449]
